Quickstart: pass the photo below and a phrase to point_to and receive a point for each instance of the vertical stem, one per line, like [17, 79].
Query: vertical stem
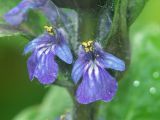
[81, 111]
[85, 112]
[88, 24]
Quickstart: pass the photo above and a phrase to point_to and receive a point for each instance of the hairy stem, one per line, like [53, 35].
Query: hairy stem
[83, 112]
[88, 24]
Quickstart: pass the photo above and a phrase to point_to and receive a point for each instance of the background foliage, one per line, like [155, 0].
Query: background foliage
[138, 95]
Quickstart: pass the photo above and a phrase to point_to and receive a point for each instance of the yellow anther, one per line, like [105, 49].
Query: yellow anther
[88, 46]
[84, 44]
[87, 49]
[89, 43]
[91, 48]
[49, 29]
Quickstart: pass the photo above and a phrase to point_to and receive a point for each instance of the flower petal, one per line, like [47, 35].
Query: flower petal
[77, 70]
[110, 61]
[15, 16]
[39, 3]
[19, 13]
[64, 53]
[31, 64]
[97, 84]
[47, 69]
[38, 42]
[62, 49]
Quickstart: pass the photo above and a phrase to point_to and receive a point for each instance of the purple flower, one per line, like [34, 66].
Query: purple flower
[19, 13]
[97, 83]
[41, 63]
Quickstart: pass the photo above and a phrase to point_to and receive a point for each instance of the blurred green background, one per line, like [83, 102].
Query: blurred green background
[138, 97]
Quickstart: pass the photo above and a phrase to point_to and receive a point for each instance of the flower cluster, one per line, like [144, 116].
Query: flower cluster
[89, 70]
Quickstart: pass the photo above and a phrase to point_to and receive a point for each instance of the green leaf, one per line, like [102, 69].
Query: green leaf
[35, 22]
[71, 22]
[8, 5]
[105, 22]
[135, 7]
[6, 30]
[117, 40]
[55, 103]
[28, 114]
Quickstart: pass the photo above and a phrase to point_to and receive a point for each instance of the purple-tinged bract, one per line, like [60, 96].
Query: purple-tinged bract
[97, 83]
[44, 48]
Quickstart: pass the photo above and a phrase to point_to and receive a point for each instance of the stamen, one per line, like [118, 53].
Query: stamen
[88, 46]
[50, 30]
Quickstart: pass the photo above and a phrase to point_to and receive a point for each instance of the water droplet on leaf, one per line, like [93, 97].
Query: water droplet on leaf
[156, 75]
[152, 90]
[136, 83]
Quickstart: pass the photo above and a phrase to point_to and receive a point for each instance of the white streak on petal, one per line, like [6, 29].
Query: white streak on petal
[40, 52]
[53, 48]
[87, 66]
[47, 51]
[43, 59]
[96, 71]
[90, 72]
[40, 46]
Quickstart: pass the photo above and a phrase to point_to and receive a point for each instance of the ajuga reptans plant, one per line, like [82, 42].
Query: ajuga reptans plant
[89, 70]
[91, 77]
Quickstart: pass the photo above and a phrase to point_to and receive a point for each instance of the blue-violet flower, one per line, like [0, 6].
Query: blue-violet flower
[41, 63]
[97, 83]
[19, 13]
